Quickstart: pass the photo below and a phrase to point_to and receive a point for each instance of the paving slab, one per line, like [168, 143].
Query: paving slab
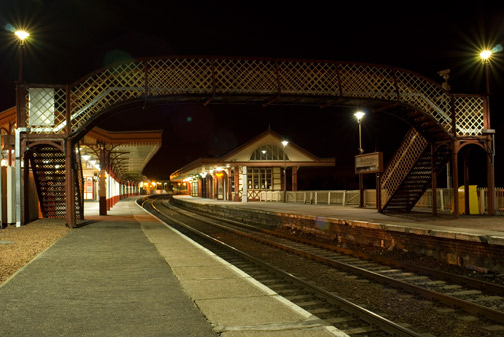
[103, 279]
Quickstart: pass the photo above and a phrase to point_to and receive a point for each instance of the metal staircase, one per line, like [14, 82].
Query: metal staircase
[48, 165]
[408, 175]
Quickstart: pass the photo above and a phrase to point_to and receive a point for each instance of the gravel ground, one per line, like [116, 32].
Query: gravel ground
[18, 246]
[423, 316]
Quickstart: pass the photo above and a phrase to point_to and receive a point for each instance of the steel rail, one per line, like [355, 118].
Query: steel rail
[438, 274]
[347, 306]
[472, 308]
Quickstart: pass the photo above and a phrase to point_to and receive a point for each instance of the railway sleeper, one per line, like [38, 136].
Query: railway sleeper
[322, 311]
[466, 293]
[308, 304]
[339, 320]
[298, 297]
[489, 298]
[358, 331]
[280, 286]
[416, 279]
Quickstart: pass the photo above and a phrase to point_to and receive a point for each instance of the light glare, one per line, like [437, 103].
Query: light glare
[22, 35]
[359, 115]
[486, 54]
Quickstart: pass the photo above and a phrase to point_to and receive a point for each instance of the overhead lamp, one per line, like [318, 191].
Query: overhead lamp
[22, 35]
[359, 115]
[485, 55]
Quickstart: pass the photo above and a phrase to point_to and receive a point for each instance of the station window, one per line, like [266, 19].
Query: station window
[259, 178]
[269, 152]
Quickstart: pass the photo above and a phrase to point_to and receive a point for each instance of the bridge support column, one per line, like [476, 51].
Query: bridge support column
[102, 191]
[69, 185]
[455, 149]
[434, 179]
[491, 181]
[466, 181]
[26, 189]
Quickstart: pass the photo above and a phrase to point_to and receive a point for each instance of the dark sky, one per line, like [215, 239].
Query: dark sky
[71, 38]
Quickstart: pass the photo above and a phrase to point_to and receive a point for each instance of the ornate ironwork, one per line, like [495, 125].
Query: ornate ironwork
[48, 164]
[412, 147]
[243, 79]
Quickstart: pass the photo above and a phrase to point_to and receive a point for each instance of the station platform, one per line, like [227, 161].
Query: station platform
[475, 242]
[420, 222]
[128, 274]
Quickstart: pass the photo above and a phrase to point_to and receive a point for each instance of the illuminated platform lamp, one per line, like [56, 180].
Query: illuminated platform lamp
[359, 115]
[285, 143]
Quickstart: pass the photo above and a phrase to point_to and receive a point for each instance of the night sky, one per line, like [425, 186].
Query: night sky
[70, 39]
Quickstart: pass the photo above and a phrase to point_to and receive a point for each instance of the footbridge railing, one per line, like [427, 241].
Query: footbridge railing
[49, 108]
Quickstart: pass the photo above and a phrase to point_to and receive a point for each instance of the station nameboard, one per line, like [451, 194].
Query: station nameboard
[369, 163]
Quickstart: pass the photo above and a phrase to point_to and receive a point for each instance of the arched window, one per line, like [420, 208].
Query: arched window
[269, 152]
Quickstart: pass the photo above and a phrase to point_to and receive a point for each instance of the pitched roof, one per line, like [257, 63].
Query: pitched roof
[241, 155]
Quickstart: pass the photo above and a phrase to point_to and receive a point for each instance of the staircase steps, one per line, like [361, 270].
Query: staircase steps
[48, 165]
[410, 176]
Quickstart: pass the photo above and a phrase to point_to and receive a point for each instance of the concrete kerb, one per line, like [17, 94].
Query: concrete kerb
[292, 318]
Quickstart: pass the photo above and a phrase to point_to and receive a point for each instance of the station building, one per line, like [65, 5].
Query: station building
[253, 171]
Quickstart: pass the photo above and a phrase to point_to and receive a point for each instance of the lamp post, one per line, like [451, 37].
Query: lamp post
[359, 115]
[21, 35]
[485, 56]
[284, 143]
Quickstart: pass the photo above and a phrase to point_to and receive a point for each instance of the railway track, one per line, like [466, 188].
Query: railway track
[348, 317]
[481, 299]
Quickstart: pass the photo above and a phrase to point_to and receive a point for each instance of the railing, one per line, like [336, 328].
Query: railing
[344, 198]
[351, 198]
[399, 167]
[50, 107]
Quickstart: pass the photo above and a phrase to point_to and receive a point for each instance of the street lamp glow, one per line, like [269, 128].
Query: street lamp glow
[284, 143]
[22, 35]
[359, 115]
[485, 55]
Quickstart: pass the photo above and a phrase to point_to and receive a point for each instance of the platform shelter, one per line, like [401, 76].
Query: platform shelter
[254, 168]
[113, 162]
[107, 166]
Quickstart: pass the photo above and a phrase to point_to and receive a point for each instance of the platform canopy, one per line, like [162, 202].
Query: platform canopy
[127, 152]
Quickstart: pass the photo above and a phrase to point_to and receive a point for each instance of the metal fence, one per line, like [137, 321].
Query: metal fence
[351, 198]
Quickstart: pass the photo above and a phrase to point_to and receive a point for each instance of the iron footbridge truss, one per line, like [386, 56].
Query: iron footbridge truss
[66, 111]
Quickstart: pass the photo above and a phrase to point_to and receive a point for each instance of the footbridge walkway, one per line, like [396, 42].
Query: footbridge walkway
[442, 122]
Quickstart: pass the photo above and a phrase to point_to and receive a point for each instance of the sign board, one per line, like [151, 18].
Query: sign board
[369, 163]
